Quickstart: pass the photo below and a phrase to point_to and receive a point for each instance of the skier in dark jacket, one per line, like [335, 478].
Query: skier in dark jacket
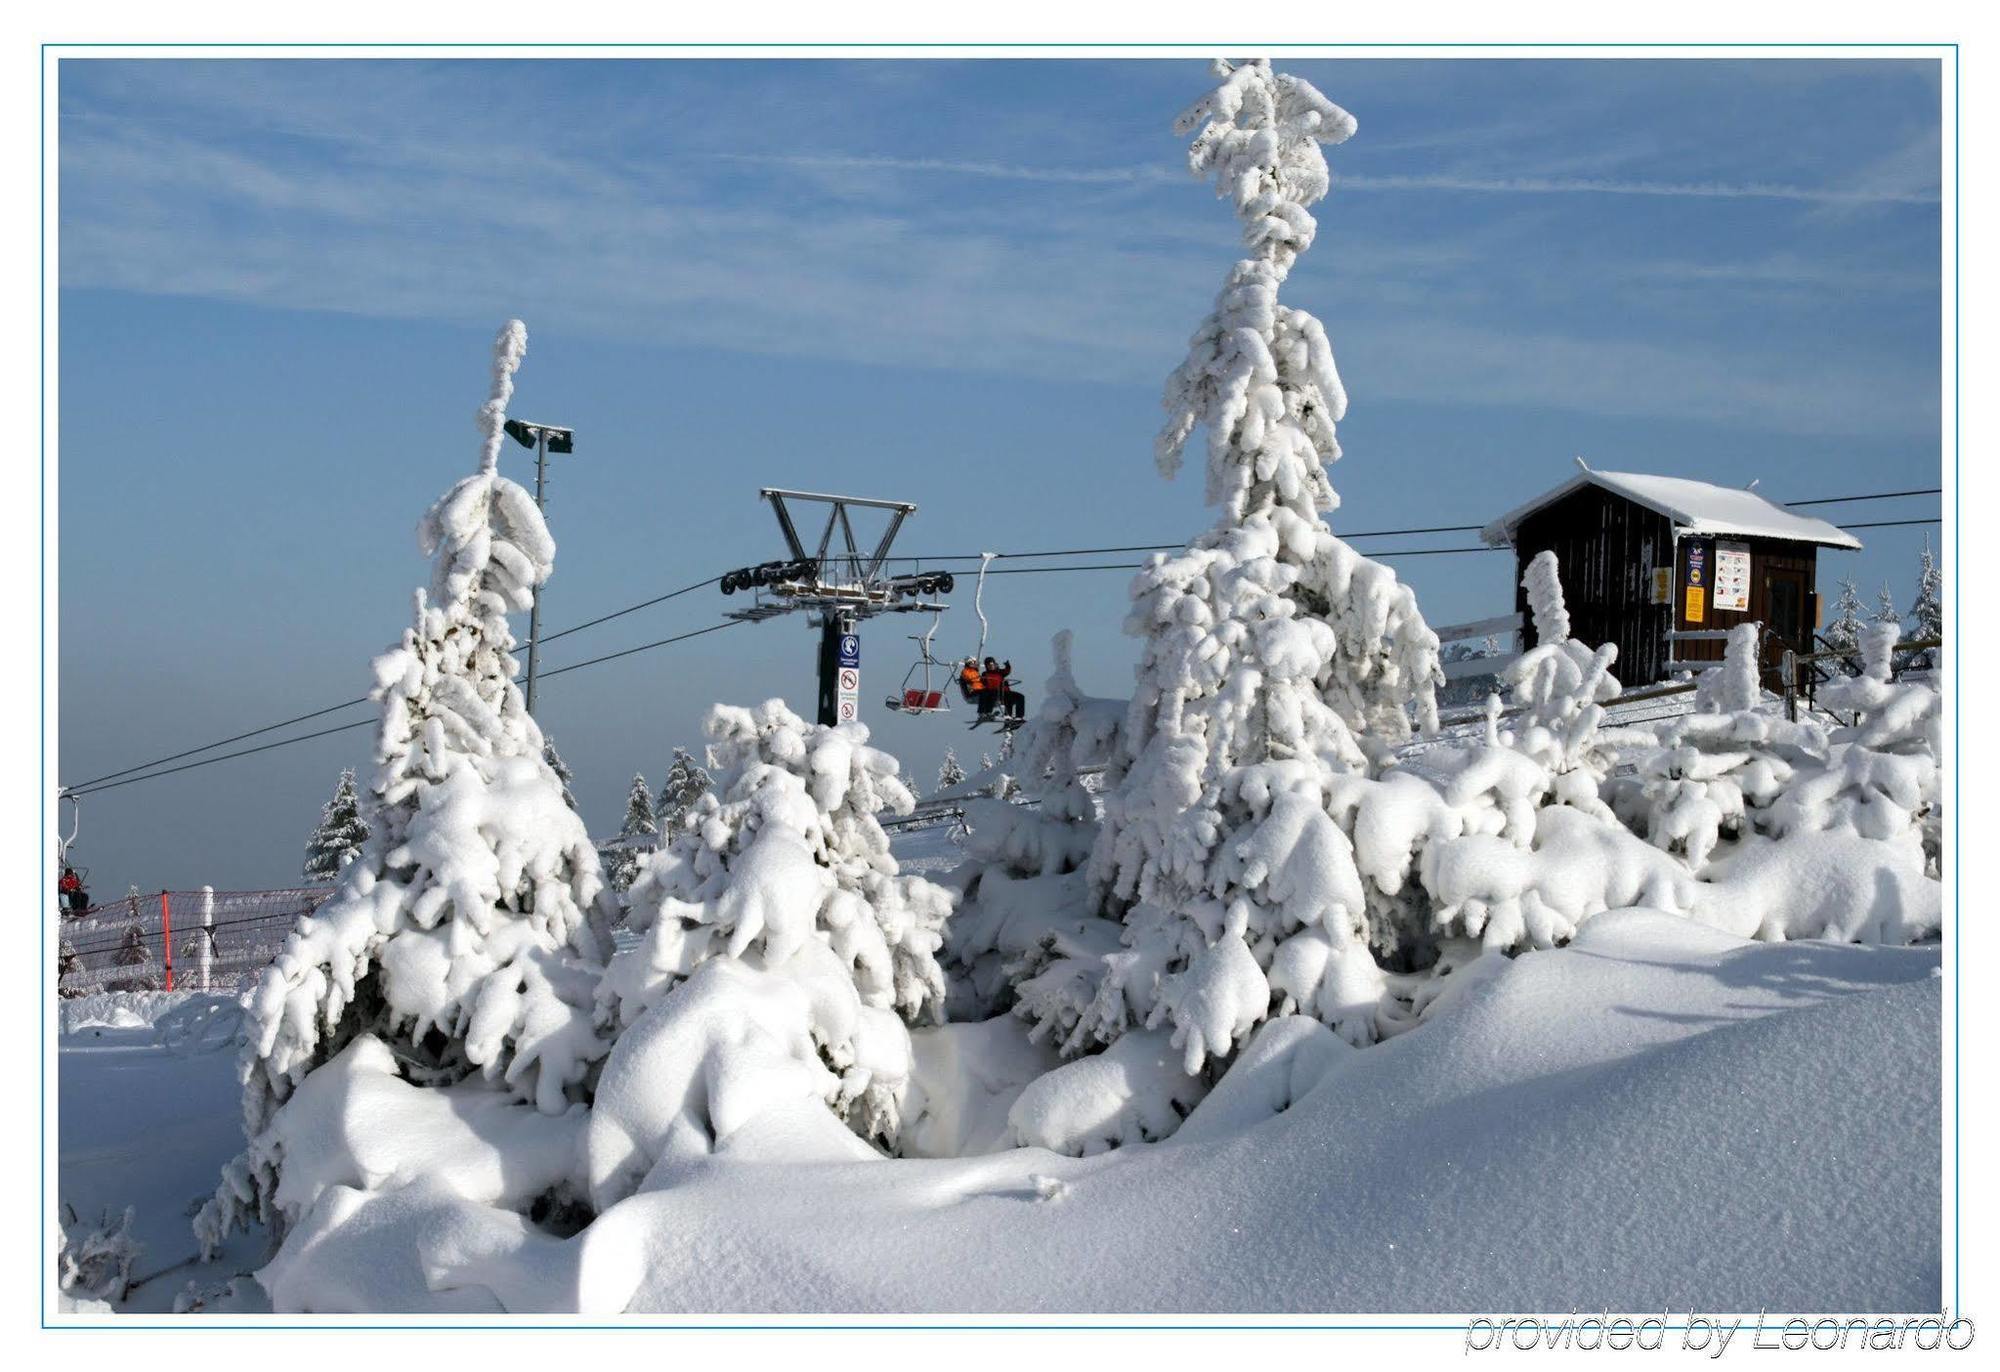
[996, 695]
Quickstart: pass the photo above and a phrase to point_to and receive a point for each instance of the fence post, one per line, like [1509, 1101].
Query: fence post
[167, 936]
[1788, 664]
[204, 955]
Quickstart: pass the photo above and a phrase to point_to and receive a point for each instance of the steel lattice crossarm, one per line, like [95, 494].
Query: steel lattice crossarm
[836, 574]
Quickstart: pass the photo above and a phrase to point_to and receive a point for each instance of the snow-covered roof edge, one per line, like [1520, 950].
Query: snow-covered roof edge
[1697, 506]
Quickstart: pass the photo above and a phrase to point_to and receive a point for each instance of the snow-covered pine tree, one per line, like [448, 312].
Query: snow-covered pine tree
[564, 777]
[1927, 612]
[1274, 658]
[338, 838]
[784, 869]
[1885, 608]
[470, 934]
[950, 772]
[637, 835]
[135, 967]
[687, 781]
[69, 971]
[1843, 632]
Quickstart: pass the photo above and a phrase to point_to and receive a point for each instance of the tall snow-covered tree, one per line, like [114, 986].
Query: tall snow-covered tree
[1274, 655]
[340, 834]
[469, 936]
[687, 782]
[950, 771]
[784, 870]
[638, 834]
[1843, 632]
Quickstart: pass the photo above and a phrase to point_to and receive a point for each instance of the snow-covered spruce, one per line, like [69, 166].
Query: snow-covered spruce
[638, 834]
[469, 935]
[1843, 631]
[950, 771]
[340, 834]
[784, 874]
[1275, 657]
[687, 781]
[1026, 937]
[1927, 611]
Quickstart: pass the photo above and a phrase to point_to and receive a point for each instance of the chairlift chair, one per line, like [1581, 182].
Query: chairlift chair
[920, 694]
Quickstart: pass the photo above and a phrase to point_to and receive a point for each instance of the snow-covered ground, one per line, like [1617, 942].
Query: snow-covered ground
[1657, 1115]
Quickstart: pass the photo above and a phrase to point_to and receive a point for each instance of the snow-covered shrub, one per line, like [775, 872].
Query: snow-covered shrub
[785, 870]
[1026, 936]
[1717, 768]
[469, 935]
[94, 1261]
[338, 838]
[1504, 839]
[1880, 775]
[1136, 1091]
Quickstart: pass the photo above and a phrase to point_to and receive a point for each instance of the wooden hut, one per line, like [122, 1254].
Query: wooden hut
[1645, 556]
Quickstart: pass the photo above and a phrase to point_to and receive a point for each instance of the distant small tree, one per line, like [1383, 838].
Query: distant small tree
[137, 970]
[560, 768]
[1927, 614]
[1844, 632]
[69, 969]
[950, 772]
[637, 836]
[341, 831]
[1885, 608]
[687, 782]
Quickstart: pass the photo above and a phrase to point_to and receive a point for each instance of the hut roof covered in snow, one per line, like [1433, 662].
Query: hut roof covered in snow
[1696, 506]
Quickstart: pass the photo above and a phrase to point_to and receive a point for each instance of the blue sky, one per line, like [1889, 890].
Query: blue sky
[958, 283]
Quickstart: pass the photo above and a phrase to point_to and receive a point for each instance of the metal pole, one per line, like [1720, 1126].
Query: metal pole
[535, 604]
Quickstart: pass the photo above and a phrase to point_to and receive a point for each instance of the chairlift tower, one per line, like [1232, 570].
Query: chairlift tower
[836, 584]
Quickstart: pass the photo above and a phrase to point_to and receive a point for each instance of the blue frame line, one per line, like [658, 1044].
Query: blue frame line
[643, 1323]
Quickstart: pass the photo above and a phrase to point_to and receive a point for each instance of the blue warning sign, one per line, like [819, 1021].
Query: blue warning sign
[850, 650]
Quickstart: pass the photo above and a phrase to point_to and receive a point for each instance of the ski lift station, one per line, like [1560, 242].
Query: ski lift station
[1663, 566]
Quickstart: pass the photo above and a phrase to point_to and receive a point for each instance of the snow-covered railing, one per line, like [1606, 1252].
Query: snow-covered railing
[179, 940]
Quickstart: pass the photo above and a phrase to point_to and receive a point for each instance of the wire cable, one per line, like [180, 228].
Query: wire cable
[82, 789]
[100, 782]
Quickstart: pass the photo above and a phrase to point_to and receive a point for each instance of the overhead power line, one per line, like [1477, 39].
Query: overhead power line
[125, 775]
[1879, 495]
[86, 788]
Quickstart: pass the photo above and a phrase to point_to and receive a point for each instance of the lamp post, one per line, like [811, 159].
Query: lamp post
[544, 439]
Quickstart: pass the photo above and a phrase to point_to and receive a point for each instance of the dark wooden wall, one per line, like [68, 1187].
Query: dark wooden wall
[1607, 548]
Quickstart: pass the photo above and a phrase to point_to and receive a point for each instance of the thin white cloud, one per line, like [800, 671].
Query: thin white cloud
[1470, 185]
[1694, 190]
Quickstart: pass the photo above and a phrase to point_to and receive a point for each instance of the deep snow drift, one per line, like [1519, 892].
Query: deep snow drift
[1659, 1114]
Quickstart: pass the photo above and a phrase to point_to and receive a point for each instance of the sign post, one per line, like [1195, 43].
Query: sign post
[847, 705]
